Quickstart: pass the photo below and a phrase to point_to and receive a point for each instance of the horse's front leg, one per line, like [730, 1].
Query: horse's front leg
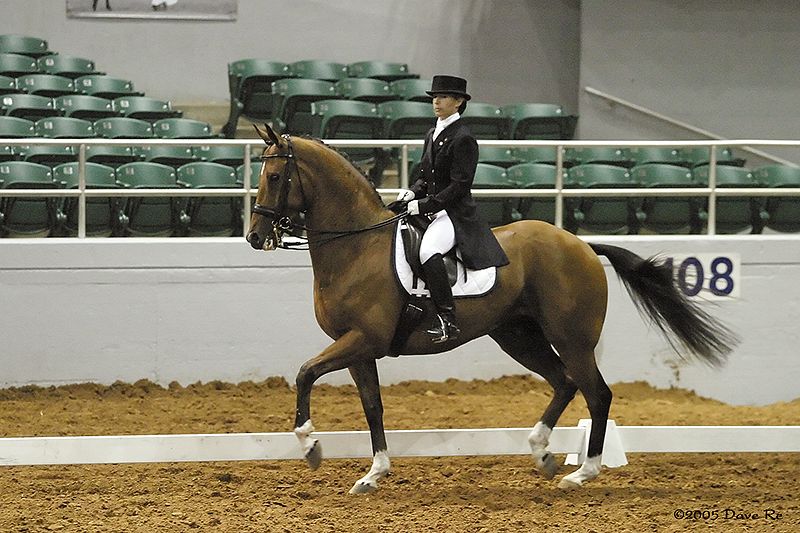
[345, 352]
[365, 375]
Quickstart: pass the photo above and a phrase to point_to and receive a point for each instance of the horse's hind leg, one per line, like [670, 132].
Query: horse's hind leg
[523, 339]
[365, 375]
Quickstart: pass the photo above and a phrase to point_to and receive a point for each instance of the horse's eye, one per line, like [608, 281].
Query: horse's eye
[274, 177]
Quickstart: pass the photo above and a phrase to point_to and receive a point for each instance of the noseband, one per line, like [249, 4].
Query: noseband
[282, 223]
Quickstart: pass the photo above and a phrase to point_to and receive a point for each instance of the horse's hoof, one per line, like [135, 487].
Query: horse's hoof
[314, 455]
[548, 467]
[568, 484]
[363, 488]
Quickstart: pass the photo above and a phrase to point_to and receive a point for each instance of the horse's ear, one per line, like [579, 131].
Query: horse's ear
[268, 135]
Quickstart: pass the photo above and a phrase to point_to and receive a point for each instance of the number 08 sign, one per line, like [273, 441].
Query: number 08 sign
[707, 276]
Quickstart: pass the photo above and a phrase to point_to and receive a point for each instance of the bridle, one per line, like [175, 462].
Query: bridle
[282, 223]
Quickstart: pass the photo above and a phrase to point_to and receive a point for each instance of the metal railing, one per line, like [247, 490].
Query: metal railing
[559, 192]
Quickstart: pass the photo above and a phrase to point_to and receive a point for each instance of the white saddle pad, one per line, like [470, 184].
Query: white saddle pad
[470, 282]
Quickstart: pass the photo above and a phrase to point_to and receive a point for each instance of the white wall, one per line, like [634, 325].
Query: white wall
[514, 51]
[727, 66]
[203, 309]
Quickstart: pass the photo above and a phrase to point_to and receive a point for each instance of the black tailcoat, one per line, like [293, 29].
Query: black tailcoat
[447, 171]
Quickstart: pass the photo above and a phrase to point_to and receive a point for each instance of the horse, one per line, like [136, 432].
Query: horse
[546, 310]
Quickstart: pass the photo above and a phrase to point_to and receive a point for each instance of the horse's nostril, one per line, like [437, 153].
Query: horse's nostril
[254, 240]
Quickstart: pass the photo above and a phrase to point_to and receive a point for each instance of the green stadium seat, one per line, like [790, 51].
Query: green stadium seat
[699, 155]
[151, 216]
[535, 176]
[250, 84]
[47, 155]
[23, 45]
[602, 155]
[26, 216]
[501, 156]
[783, 211]
[364, 89]
[112, 156]
[173, 156]
[16, 128]
[68, 66]
[539, 121]
[86, 107]
[211, 216]
[144, 108]
[318, 70]
[123, 128]
[46, 85]
[64, 128]
[666, 214]
[182, 128]
[105, 86]
[292, 99]
[485, 121]
[495, 211]
[381, 70]
[28, 106]
[350, 119]
[607, 216]
[8, 85]
[734, 214]
[175, 128]
[346, 119]
[255, 170]
[411, 89]
[541, 154]
[232, 156]
[406, 120]
[15, 65]
[642, 155]
[104, 216]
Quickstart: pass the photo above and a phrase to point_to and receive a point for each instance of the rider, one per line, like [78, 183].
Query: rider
[442, 192]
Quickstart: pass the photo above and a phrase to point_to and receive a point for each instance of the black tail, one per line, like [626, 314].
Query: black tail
[650, 284]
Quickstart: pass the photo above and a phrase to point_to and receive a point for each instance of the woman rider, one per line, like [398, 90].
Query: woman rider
[442, 192]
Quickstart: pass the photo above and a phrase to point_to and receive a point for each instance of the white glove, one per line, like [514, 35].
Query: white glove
[413, 207]
[405, 195]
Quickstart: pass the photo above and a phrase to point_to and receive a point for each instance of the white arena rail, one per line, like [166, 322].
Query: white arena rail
[402, 443]
[559, 192]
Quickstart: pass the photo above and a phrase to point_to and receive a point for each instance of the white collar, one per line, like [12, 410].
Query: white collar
[442, 123]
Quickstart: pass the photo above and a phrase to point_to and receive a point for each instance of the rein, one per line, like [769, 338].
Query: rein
[282, 223]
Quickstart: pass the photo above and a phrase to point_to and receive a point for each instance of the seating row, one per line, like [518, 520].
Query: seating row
[631, 215]
[34, 107]
[114, 128]
[626, 157]
[165, 216]
[52, 85]
[117, 216]
[263, 90]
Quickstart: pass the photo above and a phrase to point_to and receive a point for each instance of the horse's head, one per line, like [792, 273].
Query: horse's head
[280, 193]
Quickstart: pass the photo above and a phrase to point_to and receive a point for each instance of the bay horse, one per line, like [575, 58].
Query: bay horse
[546, 310]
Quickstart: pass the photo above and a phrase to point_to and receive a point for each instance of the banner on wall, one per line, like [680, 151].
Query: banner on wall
[153, 9]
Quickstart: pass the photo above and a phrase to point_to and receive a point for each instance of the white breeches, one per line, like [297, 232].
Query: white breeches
[439, 238]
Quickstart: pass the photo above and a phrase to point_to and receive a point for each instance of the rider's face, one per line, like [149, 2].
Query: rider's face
[445, 105]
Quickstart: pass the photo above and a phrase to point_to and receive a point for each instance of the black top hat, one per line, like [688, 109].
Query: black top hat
[449, 85]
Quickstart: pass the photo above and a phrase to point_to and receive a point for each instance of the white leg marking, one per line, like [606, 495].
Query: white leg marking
[589, 470]
[312, 450]
[380, 469]
[538, 439]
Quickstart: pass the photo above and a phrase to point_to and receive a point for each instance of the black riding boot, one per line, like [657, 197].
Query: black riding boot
[442, 295]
